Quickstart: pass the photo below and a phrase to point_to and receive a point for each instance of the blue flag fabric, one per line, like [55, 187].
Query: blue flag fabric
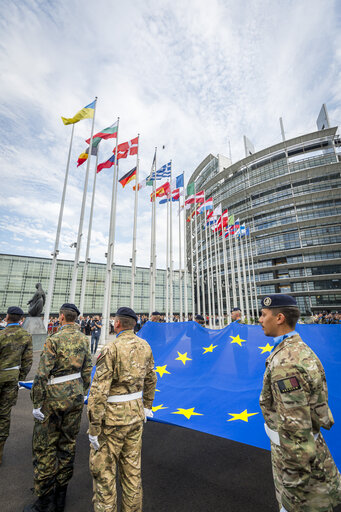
[179, 181]
[210, 380]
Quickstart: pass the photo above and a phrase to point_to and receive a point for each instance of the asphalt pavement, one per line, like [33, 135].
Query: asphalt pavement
[182, 470]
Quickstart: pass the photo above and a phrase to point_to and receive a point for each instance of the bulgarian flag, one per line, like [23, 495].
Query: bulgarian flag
[85, 113]
[107, 133]
[131, 175]
[106, 165]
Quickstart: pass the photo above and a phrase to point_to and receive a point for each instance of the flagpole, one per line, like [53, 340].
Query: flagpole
[180, 271]
[208, 274]
[167, 266]
[56, 243]
[202, 273]
[133, 255]
[196, 255]
[152, 242]
[220, 280]
[212, 276]
[185, 254]
[240, 288]
[81, 219]
[227, 282]
[217, 276]
[253, 275]
[249, 275]
[246, 294]
[87, 259]
[192, 270]
[111, 241]
[234, 291]
[171, 253]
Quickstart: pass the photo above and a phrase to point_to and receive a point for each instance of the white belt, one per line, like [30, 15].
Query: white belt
[274, 437]
[124, 398]
[13, 368]
[64, 378]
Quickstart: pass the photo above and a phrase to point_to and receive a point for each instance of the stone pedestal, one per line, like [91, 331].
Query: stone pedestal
[35, 326]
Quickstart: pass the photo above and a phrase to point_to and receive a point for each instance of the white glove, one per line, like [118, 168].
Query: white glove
[94, 442]
[148, 413]
[283, 509]
[38, 414]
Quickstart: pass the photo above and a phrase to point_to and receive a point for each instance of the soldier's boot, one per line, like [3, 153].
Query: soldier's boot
[42, 504]
[2, 444]
[60, 497]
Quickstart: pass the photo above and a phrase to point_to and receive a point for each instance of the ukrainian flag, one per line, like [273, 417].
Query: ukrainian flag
[85, 113]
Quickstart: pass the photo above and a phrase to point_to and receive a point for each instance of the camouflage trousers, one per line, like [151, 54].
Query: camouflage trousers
[8, 398]
[120, 446]
[323, 490]
[54, 444]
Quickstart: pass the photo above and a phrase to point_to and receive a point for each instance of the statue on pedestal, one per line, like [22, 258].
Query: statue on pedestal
[37, 302]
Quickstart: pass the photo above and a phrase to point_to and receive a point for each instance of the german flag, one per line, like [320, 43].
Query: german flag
[131, 175]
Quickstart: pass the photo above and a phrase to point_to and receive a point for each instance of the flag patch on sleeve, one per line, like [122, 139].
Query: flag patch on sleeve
[288, 385]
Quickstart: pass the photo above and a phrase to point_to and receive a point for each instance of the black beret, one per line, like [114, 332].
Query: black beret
[156, 313]
[128, 312]
[278, 301]
[70, 306]
[14, 310]
[235, 309]
[200, 318]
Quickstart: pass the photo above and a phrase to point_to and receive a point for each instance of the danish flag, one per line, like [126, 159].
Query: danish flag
[127, 148]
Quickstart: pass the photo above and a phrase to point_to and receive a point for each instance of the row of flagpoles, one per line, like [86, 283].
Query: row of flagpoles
[214, 228]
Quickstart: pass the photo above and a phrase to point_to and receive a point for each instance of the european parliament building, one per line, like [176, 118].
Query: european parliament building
[289, 195]
[19, 275]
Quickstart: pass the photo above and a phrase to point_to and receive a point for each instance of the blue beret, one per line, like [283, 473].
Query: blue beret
[235, 309]
[200, 318]
[70, 306]
[128, 312]
[14, 310]
[156, 313]
[279, 301]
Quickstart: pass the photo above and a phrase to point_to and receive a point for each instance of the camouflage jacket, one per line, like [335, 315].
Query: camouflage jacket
[126, 365]
[65, 352]
[15, 350]
[294, 402]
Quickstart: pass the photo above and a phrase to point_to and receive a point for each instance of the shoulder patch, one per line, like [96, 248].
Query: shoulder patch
[289, 384]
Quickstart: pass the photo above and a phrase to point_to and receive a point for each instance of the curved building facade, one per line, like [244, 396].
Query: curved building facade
[289, 195]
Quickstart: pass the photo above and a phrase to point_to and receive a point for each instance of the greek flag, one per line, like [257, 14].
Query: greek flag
[163, 172]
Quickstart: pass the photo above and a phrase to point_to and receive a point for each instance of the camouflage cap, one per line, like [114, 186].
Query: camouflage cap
[126, 312]
[279, 300]
[14, 310]
[70, 306]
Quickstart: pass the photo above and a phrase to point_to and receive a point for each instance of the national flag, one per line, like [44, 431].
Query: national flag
[161, 191]
[141, 185]
[107, 133]
[191, 189]
[208, 205]
[84, 156]
[180, 181]
[163, 172]
[127, 148]
[85, 113]
[222, 222]
[217, 211]
[199, 197]
[175, 196]
[231, 220]
[131, 175]
[106, 165]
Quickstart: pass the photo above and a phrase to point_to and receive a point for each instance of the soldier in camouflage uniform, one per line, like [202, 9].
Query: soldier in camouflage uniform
[121, 398]
[15, 362]
[62, 380]
[294, 402]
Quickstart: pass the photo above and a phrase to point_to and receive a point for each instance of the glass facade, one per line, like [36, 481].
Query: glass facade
[289, 195]
[19, 275]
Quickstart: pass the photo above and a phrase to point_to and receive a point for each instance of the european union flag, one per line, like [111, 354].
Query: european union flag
[210, 380]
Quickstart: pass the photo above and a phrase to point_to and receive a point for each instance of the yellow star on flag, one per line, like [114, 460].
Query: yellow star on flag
[241, 416]
[157, 390]
[187, 412]
[183, 358]
[158, 408]
[161, 370]
[209, 349]
[267, 348]
[237, 339]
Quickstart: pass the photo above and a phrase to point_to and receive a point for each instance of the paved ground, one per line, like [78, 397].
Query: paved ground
[183, 470]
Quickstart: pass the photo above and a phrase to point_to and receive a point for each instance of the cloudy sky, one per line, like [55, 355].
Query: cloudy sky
[188, 75]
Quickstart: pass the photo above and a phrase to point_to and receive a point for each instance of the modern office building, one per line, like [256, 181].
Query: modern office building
[19, 275]
[289, 195]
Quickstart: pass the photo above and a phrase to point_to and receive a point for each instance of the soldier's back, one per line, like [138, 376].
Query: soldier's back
[15, 344]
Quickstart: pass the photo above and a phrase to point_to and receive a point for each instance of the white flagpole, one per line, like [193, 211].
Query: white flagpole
[249, 275]
[227, 282]
[202, 274]
[111, 241]
[208, 274]
[192, 270]
[185, 257]
[197, 258]
[253, 275]
[81, 219]
[246, 293]
[212, 275]
[152, 242]
[87, 258]
[49, 294]
[240, 288]
[167, 266]
[220, 280]
[180, 271]
[133, 256]
[234, 291]
[171, 255]
[217, 276]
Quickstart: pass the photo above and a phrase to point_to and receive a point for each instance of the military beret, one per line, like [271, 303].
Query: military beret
[70, 306]
[235, 309]
[14, 310]
[278, 301]
[156, 313]
[200, 318]
[128, 312]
